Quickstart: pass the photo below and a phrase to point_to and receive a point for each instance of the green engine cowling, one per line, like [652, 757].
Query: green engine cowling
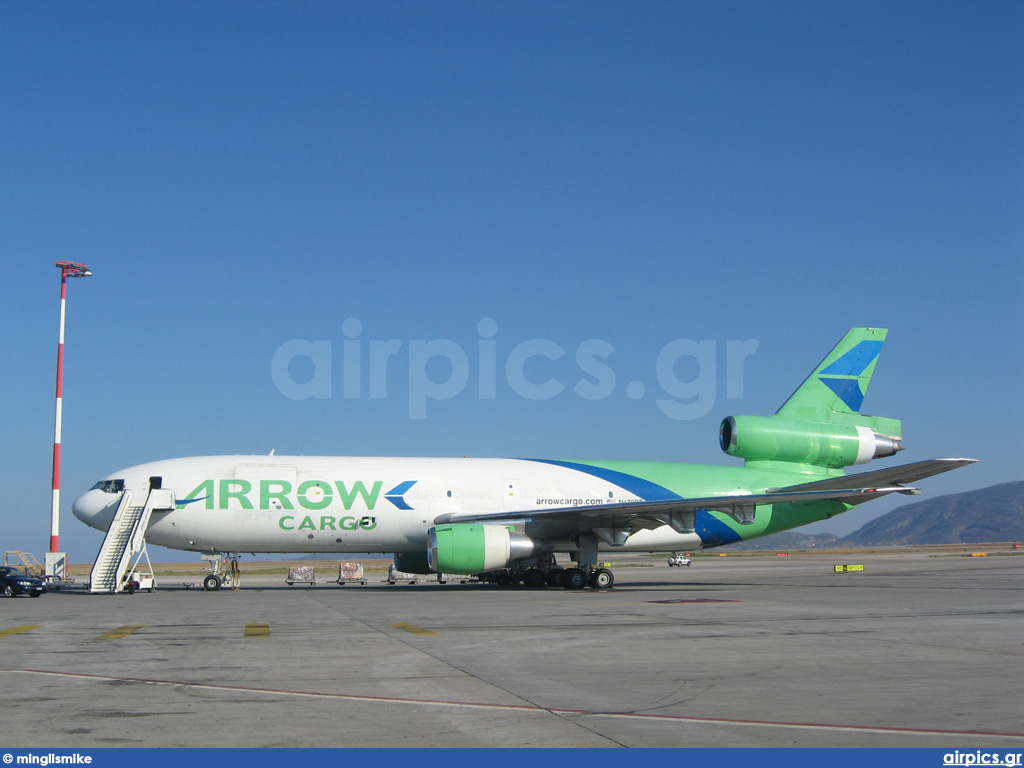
[470, 548]
[770, 438]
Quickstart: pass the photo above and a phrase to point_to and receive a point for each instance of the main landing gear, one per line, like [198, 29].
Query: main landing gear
[539, 578]
[588, 573]
[587, 576]
[542, 571]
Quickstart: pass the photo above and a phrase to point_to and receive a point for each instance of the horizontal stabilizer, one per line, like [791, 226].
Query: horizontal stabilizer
[907, 473]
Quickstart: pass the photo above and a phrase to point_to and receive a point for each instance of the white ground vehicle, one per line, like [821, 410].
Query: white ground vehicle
[679, 560]
[137, 582]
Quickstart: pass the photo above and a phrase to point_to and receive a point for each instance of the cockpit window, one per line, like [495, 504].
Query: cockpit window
[109, 486]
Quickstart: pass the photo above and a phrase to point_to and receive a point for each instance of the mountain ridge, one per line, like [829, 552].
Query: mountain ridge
[986, 515]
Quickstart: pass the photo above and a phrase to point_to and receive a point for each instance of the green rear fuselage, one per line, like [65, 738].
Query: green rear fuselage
[665, 480]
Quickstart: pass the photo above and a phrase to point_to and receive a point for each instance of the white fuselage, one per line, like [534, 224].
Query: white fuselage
[291, 504]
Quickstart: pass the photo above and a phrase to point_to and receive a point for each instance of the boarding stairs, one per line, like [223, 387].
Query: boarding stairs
[24, 560]
[125, 539]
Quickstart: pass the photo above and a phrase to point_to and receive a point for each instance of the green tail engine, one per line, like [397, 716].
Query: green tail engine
[819, 444]
[468, 548]
[820, 426]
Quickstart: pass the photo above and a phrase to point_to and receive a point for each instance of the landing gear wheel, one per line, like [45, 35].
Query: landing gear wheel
[535, 578]
[211, 583]
[555, 577]
[602, 578]
[574, 578]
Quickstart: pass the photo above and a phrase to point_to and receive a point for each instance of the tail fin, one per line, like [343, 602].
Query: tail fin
[820, 428]
[839, 383]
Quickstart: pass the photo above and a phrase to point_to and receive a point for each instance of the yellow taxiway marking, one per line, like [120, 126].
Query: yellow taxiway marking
[117, 634]
[412, 629]
[17, 630]
[257, 630]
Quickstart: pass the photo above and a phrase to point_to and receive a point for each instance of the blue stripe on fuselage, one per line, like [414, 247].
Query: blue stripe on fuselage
[712, 531]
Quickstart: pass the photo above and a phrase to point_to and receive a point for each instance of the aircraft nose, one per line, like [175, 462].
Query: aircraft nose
[89, 505]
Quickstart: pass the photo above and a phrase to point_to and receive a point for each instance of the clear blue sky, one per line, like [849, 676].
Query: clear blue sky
[239, 175]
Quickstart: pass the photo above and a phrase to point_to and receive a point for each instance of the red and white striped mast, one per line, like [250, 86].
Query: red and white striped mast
[67, 269]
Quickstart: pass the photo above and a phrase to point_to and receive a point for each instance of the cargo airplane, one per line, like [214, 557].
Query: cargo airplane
[505, 520]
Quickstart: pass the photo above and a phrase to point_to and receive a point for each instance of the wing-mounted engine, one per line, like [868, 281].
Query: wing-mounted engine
[855, 440]
[474, 548]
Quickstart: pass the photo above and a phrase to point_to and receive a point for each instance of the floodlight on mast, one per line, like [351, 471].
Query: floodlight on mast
[67, 269]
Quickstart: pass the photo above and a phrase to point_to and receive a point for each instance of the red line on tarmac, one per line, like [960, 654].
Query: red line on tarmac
[528, 708]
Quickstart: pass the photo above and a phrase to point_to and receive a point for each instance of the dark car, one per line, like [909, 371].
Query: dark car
[15, 582]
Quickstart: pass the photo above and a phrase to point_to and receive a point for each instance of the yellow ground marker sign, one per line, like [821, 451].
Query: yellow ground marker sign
[18, 630]
[257, 630]
[847, 568]
[117, 634]
[412, 629]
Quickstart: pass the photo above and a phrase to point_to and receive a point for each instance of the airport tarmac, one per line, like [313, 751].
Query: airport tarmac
[918, 650]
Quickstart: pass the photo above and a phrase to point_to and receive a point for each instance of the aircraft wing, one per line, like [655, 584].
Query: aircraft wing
[618, 521]
[614, 523]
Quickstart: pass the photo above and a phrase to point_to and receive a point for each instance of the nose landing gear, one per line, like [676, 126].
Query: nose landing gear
[225, 572]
